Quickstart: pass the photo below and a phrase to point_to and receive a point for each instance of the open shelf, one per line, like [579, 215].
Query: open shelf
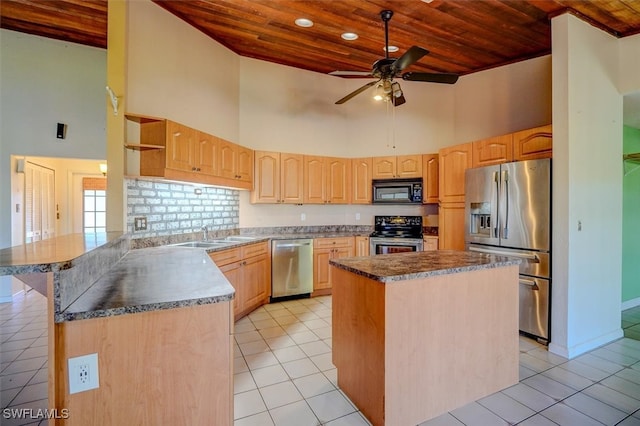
[142, 146]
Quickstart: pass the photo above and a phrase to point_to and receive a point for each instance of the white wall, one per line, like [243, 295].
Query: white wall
[629, 64]
[43, 82]
[587, 188]
[174, 71]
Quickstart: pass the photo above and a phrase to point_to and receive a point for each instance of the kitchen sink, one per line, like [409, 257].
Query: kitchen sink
[202, 244]
[238, 238]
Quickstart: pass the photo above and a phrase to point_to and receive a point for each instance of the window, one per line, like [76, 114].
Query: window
[94, 205]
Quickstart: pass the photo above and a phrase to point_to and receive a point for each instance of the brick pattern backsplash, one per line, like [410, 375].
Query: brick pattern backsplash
[176, 208]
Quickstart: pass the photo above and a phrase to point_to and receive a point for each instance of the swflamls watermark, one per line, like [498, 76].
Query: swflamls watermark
[35, 413]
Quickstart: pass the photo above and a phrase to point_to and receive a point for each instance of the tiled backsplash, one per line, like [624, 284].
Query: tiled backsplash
[177, 208]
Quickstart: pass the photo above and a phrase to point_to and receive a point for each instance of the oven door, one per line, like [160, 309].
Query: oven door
[394, 245]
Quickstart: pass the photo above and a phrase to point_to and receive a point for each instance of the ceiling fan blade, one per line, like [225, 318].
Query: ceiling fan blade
[448, 78]
[356, 92]
[351, 73]
[410, 57]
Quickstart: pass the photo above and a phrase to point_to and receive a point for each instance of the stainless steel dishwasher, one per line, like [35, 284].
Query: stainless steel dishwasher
[291, 268]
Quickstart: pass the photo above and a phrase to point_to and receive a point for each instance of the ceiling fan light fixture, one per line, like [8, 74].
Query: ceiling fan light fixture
[304, 22]
[379, 94]
[395, 88]
[349, 36]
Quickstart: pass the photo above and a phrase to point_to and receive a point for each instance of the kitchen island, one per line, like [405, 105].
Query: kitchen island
[418, 334]
[159, 320]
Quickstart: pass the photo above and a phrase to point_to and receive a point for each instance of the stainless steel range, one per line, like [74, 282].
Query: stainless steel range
[396, 234]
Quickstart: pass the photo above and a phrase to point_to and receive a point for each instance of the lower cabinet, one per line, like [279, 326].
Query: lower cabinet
[248, 269]
[430, 243]
[325, 249]
[362, 246]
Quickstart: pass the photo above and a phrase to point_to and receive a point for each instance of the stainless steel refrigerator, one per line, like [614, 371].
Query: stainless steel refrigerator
[508, 212]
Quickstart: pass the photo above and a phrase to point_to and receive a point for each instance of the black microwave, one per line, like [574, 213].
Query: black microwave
[397, 191]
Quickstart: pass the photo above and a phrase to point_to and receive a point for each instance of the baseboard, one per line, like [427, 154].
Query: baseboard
[628, 304]
[587, 346]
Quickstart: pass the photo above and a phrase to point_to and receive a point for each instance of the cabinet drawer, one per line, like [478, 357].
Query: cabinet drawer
[255, 249]
[226, 257]
[332, 242]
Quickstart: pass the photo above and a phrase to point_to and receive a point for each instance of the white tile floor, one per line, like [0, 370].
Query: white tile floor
[284, 376]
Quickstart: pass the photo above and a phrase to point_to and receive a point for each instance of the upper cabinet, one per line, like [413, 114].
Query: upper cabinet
[361, 172]
[454, 161]
[327, 180]
[430, 178]
[278, 178]
[533, 143]
[401, 166]
[177, 152]
[494, 150]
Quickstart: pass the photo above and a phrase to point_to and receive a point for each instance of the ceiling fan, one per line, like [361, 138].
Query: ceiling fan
[386, 69]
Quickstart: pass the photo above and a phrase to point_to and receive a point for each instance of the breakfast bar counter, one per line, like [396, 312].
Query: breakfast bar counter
[418, 334]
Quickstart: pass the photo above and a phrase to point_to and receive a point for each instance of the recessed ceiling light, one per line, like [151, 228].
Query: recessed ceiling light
[391, 49]
[427, 1]
[349, 36]
[304, 22]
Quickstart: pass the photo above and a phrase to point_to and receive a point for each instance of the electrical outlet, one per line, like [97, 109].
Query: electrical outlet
[303, 217]
[83, 373]
[140, 223]
[357, 216]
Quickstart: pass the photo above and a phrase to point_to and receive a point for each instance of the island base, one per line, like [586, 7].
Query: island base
[408, 351]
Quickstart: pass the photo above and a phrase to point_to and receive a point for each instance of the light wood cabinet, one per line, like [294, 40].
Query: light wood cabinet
[533, 143]
[278, 178]
[429, 243]
[174, 151]
[248, 269]
[494, 150]
[235, 161]
[327, 180]
[451, 227]
[362, 172]
[325, 249]
[362, 246]
[430, 178]
[401, 166]
[454, 161]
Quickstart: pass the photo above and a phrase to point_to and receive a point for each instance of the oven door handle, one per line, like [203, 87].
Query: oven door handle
[532, 257]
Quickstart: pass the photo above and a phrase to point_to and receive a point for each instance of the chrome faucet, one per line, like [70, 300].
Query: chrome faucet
[205, 233]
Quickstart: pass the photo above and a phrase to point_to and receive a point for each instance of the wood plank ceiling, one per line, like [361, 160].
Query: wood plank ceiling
[462, 36]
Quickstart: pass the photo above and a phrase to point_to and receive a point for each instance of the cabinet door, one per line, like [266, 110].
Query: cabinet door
[180, 147]
[321, 268]
[314, 180]
[256, 281]
[233, 273]
[291, 178]
[207, 153]
[228, 159]
[409, 166]
[493, 151]
[362, 246]
[361, 171]
[338, 180]
[534, 143]
[453, 162]
[384, 167]
[451, 227]
[244, 166]
[266, 188]
[430, 178]
[430, 244]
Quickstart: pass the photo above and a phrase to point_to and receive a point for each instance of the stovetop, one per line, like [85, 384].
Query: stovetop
[397, 227]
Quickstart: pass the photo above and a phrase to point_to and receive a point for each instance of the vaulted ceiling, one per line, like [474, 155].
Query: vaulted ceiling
[462, 36]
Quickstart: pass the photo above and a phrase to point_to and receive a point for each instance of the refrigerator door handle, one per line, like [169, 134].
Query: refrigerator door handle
[495, 197]
[505, 190]
[532, 257]
[531, 283]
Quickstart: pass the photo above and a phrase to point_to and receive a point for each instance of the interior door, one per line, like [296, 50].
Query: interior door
[39, 203]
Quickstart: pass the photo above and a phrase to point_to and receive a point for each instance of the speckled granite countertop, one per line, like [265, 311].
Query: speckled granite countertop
[152, 279]
[388, 268]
